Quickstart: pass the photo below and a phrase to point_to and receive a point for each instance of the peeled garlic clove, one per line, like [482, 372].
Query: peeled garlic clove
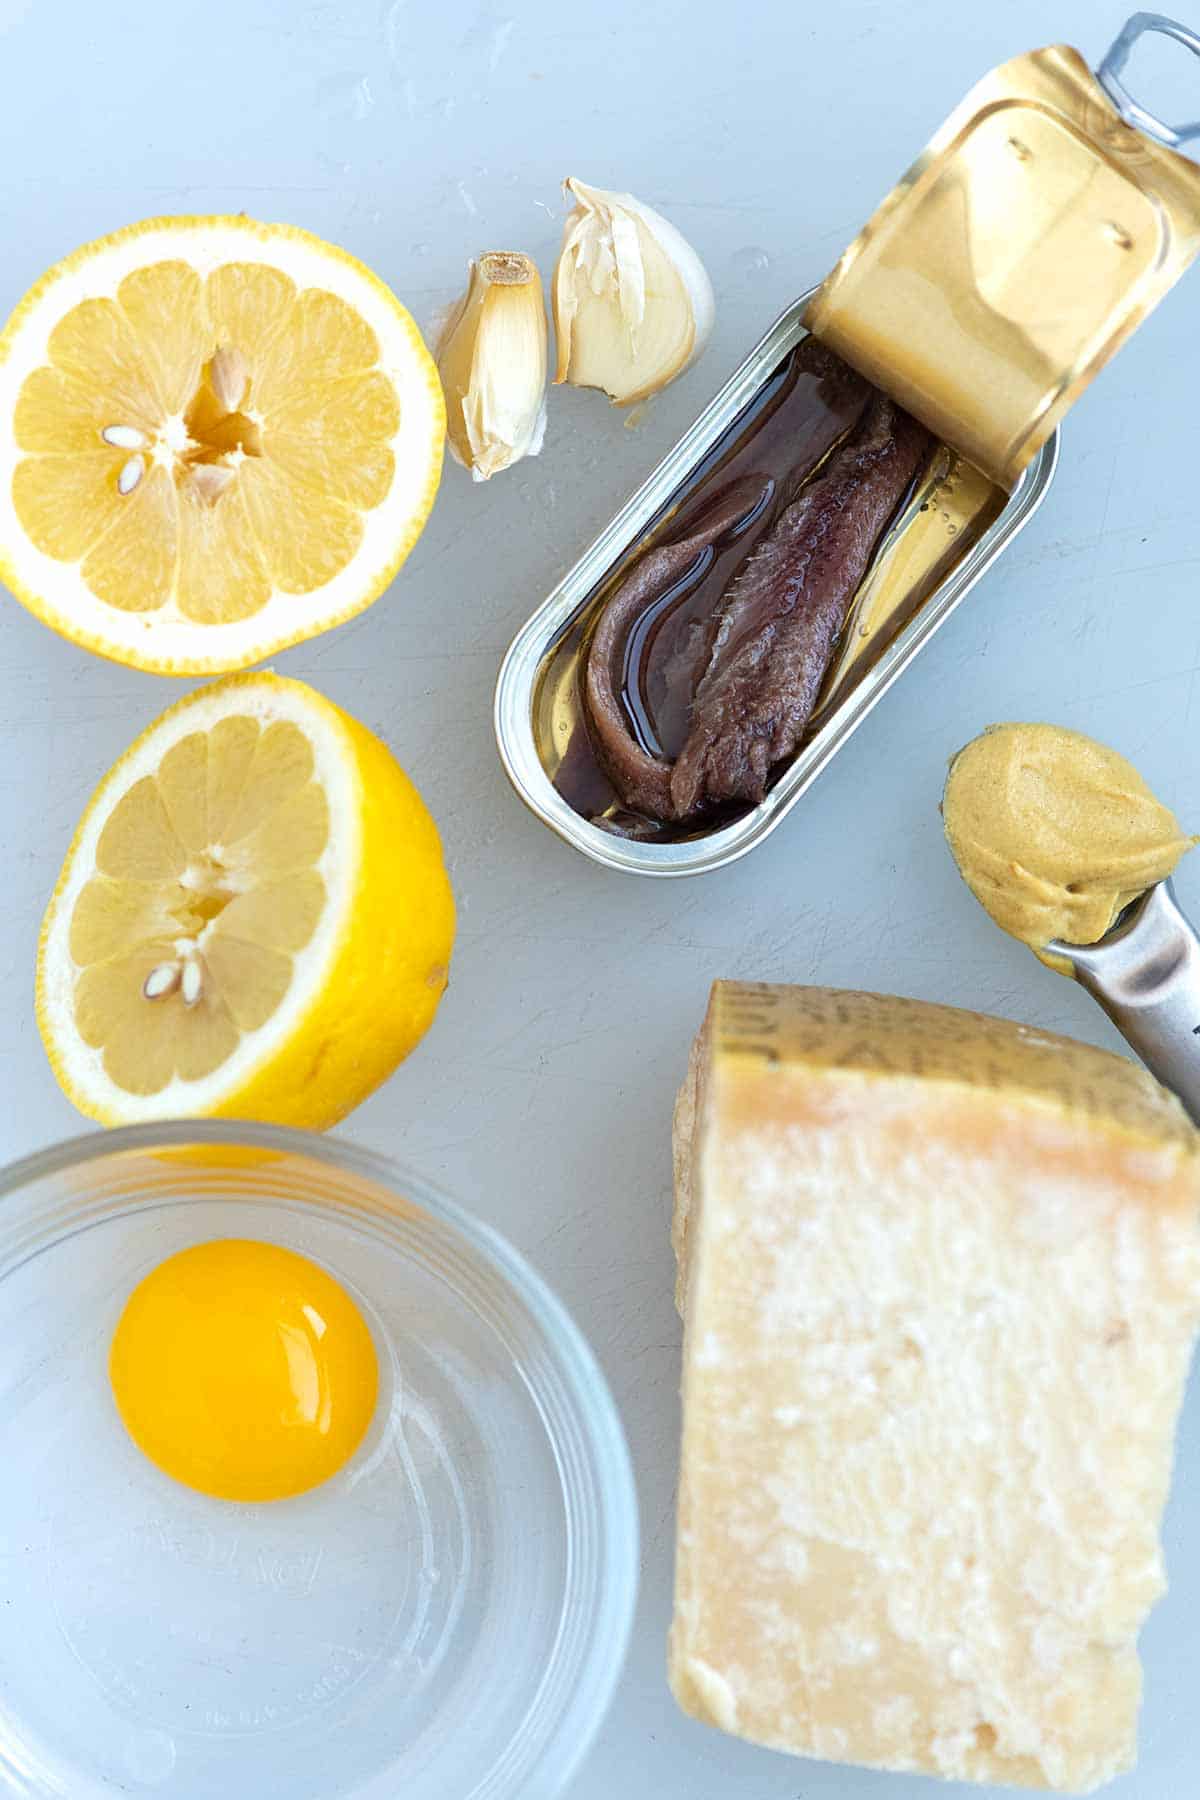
[633, 305]
[493, 358]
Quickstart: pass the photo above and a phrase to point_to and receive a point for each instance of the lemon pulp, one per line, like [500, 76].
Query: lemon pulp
[254, 920]
[244, 1370]
[295, 457]
[206, 886]
[216, 438]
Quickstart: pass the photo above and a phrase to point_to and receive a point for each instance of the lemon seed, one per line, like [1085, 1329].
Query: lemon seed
[229, 377]
[162, 980]
[123, 437]
[192, 983]
[210, 480]
[130, 475]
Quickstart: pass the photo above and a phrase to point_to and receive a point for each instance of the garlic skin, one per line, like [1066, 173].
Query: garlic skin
[633, 304]
[492, 355]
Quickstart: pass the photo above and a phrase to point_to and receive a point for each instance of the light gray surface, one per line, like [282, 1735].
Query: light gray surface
[418, 134]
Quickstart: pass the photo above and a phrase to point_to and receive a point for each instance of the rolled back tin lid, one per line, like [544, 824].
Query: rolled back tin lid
[1029, 239]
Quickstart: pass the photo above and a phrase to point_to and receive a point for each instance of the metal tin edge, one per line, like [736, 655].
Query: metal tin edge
[512, 712]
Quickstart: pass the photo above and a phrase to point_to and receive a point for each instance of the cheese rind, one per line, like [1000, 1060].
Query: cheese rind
[940, 1278]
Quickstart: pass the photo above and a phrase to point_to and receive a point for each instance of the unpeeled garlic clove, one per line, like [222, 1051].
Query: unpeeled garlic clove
[633, 305]
[493, 358]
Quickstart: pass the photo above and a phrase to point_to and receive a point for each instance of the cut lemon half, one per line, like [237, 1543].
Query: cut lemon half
[254, 920]
[217, 438]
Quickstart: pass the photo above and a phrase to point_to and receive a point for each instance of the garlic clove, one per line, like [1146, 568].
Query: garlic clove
[493, 359]
[633, 304]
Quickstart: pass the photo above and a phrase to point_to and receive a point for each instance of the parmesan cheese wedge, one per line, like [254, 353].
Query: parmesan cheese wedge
[940, 1277]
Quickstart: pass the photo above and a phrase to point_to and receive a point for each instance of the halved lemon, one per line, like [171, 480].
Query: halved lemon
[254, 920]
[217, 438]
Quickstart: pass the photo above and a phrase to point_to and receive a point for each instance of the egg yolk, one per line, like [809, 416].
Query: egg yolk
[244, 1370]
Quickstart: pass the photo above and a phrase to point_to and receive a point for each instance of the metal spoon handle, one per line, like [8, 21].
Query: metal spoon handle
[1146, 975]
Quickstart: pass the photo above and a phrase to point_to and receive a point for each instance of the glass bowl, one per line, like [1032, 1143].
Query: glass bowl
[445, 1619]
